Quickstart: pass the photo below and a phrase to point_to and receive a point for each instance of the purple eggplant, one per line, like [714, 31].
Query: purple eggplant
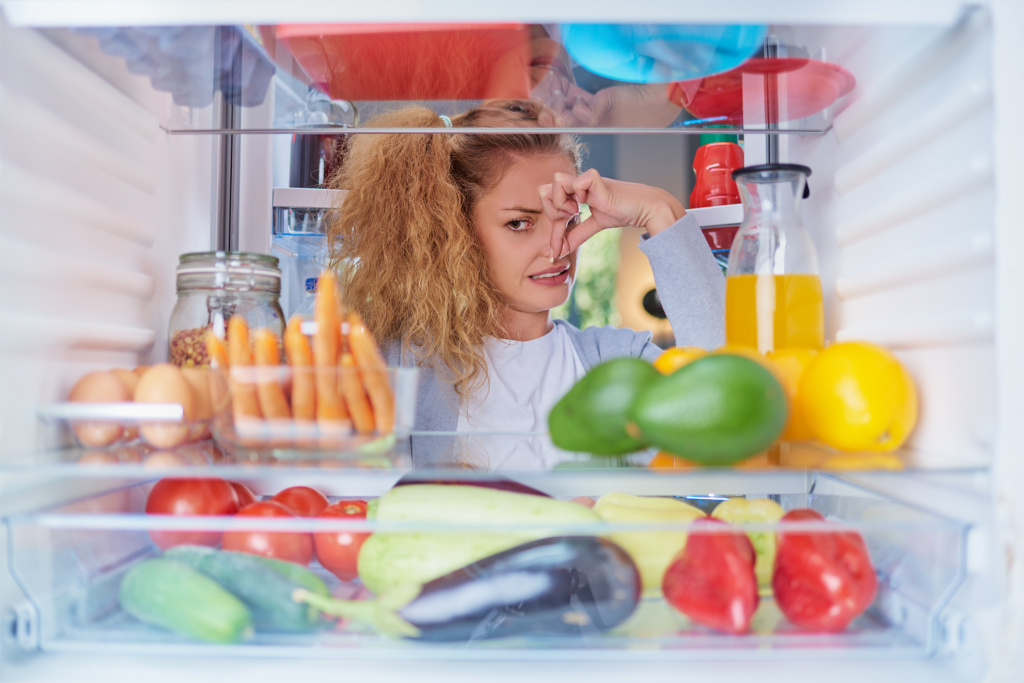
[490, 481]
[563, 586]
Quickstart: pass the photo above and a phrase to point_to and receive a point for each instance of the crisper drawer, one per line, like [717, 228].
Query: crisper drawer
[72, 560]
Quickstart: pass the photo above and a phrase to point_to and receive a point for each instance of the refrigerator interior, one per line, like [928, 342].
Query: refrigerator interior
[912, 213]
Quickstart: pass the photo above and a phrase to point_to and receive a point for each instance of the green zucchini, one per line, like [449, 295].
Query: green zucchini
[390, 559]
[176, 597]
[266, 590]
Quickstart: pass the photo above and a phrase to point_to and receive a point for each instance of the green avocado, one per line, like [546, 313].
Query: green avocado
[592, 417]
[716, 410]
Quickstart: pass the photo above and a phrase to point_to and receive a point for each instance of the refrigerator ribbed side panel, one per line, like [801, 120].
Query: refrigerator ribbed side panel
[95, 204]
[902, 211]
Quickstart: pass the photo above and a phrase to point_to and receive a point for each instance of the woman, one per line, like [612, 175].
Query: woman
[455, 248]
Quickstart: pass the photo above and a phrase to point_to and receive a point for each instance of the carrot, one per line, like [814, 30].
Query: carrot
[268, 386]
[326, 345]
[300, 357]
[243, 390]
[216, 350]
[373, 372]
[355, 396]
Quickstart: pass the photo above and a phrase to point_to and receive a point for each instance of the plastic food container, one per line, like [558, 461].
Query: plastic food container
[800, 87]
[413, 61]
[72, 561]
[165, 416]
[255, 407]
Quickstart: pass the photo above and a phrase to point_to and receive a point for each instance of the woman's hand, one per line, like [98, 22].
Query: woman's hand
[568, 102]
[612, 203]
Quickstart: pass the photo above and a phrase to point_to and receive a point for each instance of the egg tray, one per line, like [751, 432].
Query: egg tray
[126, 432]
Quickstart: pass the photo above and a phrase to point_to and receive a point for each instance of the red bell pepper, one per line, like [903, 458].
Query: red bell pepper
[712, 579]
[823, 579]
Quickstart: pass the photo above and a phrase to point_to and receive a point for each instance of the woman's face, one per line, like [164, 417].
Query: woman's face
[515, 232]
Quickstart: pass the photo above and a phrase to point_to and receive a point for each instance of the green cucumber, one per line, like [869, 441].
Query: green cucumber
[265, 590]
[192, 555]
[176, 597]
[390, 559]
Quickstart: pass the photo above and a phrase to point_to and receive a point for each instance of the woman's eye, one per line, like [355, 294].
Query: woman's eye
[518, 225]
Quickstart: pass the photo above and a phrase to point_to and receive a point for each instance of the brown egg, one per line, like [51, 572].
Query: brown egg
[193, 455]
[130, 454]
[199, 378]
[98, 387]
[165, 383]
[130, 379]
[162, 459]
[98, 458]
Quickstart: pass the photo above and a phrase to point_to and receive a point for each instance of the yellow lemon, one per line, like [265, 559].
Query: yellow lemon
[673, 358]
[789, 366]
[857, 396]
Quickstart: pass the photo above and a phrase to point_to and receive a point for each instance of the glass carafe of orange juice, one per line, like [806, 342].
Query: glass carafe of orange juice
[773, 287]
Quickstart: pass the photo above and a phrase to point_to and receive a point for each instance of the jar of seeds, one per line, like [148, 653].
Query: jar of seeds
[212, 287]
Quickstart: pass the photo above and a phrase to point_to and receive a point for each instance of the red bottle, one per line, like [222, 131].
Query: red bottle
[713, 165]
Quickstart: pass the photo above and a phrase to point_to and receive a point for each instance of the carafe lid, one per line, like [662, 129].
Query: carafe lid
[770, 168]
[774, 168]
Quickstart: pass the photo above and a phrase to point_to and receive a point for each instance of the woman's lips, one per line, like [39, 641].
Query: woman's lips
[551, 279]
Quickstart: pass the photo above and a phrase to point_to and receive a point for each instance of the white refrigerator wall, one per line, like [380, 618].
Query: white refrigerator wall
[901, 207]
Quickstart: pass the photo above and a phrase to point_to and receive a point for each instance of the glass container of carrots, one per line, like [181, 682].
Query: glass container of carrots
[773, 296]
[323, 385]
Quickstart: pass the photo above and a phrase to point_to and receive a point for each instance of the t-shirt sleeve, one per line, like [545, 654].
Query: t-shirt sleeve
[690, 283]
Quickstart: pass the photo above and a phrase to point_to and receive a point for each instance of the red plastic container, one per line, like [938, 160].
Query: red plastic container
[801, 87]
[713, 165]
[412, 61]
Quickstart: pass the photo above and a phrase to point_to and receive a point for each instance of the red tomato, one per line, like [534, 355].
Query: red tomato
[190, 497]
[245, 495]
[338, 551]
[290, 546]
[302, 500]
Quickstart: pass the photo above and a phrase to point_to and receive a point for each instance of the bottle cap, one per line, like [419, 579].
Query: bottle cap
[708, 138]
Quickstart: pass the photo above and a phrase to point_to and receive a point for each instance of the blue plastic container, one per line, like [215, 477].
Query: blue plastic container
[639, 53]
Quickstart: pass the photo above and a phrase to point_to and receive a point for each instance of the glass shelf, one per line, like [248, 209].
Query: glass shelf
[593, 78]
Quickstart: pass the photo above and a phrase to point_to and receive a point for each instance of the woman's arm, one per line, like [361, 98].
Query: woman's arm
[690, 284]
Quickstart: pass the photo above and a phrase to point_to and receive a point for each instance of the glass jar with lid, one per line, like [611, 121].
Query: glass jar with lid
[212, 287]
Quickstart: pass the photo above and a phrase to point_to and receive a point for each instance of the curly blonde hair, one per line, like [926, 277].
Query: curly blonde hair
[403, 241]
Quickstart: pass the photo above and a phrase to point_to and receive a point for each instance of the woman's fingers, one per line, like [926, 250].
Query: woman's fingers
[576, 236]
[564, 194]
[560, 208]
